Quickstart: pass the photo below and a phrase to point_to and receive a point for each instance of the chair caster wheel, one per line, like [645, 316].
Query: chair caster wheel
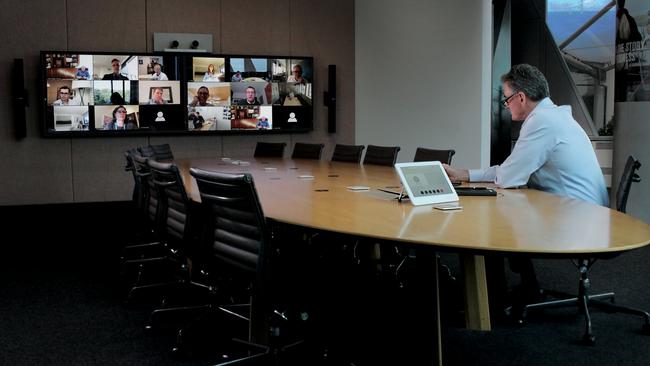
[148, 329]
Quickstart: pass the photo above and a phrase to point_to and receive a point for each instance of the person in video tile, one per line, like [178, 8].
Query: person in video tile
[115, 75]
[157, 97]
[201, 98]
[120, 120]
[251, 96]
[82, 73]
[263, 123]
[64, 97]
[296, 75]
[211, 75]
[158, 74]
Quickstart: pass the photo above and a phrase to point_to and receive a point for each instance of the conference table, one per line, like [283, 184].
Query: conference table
[323, 195]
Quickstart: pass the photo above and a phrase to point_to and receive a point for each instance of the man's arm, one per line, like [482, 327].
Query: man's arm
[529, 154]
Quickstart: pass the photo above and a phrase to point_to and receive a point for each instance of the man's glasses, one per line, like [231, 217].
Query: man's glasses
[64, 93]
[506, 100]
[121, 111]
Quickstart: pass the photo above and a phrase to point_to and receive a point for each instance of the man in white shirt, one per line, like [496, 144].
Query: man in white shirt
[157, 73]
[64, 97]
[553, 153]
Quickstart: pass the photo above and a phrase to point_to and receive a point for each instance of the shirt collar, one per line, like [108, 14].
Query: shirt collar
[546, 102]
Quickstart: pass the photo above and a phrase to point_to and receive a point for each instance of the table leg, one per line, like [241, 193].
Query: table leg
[429, 306]
[477, 311]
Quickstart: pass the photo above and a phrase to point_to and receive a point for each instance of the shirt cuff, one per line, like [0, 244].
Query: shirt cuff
[482, 175]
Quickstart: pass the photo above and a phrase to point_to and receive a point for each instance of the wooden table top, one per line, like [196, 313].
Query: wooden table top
[516, 220]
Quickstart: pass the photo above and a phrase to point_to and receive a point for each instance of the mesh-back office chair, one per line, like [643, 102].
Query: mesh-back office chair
[381, 155]
[584, 300]
[269, 149]
[443, 156]
[348, 153]
[237, 236]
[307, 151]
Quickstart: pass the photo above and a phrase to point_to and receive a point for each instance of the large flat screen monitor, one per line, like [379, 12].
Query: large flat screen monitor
[117, 94]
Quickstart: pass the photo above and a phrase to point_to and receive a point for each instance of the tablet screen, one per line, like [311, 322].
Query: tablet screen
[426, 182]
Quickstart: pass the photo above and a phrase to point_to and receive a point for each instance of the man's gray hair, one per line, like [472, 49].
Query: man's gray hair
[528, 80]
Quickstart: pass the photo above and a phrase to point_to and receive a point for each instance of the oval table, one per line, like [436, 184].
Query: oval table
[314, 194]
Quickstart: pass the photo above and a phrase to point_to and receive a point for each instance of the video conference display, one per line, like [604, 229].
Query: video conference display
[104, 94]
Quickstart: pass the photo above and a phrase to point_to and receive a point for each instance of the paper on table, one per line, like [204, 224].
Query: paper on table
[358, 188]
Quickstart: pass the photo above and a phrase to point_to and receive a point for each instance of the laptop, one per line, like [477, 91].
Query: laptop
[426, 183]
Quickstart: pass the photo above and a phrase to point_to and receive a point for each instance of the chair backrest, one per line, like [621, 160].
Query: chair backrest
[138, 192]
[629, 176]
[443, 156]
[159, 152]
[146, 151]
[174, 202]
[269, 149]
[151, 202]
[381, 155]
[348, 153]
[236, 227]
[307, 151]
[162, 152]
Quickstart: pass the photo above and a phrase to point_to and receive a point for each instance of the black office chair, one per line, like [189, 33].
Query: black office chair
[348, 153]
[150, 253]
[381, 155]
[180, 232]
[144, 231]
[236, 239]
[307, 151]
[443, 156]
[161, 152]
[629, 176]
[269, 149]
[138, 196]
[584, 300]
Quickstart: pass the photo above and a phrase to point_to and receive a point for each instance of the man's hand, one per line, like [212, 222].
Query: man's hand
[456, 175]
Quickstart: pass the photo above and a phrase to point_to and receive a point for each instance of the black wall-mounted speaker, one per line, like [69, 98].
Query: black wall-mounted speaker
[330, 98]
[19, 99]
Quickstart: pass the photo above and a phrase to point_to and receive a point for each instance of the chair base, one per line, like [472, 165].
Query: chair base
[583, 301]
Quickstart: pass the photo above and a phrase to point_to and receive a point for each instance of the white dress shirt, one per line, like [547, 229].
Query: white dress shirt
[162, 76]
[553, 154]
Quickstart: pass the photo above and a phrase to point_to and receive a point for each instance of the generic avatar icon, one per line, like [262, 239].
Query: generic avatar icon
[292, 117]
[160, 117]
